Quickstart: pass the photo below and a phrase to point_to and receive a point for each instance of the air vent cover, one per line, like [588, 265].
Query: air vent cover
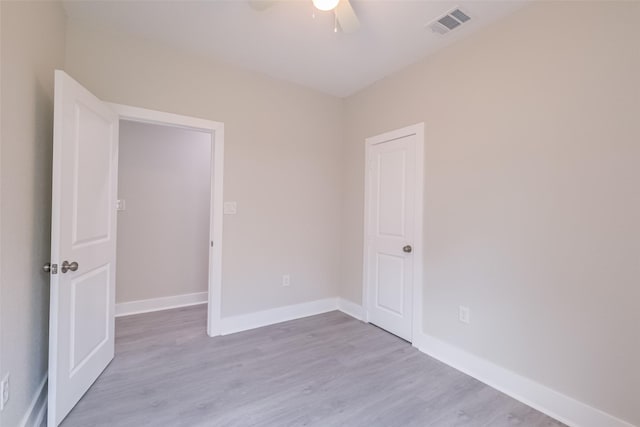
[448, 22]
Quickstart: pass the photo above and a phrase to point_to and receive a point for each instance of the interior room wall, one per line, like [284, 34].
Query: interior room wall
[32, 46]
[531, 199]
[283, 162]
[164, 180]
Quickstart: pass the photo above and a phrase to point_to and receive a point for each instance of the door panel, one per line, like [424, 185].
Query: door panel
[391, 193]
[390, 213]
[390, 272]
[83, 223]
[92, 176]
[89, 309]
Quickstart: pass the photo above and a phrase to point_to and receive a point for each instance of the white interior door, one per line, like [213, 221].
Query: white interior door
[83, 244]
[390, 233]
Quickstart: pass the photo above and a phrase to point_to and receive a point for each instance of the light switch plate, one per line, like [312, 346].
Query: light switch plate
[464, 314]
[230, 208]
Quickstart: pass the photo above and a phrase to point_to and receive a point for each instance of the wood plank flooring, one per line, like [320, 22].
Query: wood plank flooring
[326, 370]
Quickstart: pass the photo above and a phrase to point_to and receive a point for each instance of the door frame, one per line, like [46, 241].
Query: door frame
[416, 286]
[216, 130]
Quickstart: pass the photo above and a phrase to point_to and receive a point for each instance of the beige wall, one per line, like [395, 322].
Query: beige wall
[32, 46]
[531, 199]
[282, 160]
[163, 234]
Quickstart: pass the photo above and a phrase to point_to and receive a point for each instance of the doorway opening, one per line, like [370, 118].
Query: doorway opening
[169, 246]
[164, 190]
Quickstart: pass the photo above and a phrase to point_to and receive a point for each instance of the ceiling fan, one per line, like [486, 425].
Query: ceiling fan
[344, 13]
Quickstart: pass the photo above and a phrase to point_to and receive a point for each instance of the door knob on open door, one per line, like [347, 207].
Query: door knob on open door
[68, 267]
[407, 249]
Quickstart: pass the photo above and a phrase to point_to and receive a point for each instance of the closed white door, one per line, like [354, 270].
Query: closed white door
[389, 246]
[83, 244]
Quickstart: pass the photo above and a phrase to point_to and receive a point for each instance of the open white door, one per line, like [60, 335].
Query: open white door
[83, 244]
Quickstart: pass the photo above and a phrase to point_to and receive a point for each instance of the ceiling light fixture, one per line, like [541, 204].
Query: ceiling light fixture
[325, 5]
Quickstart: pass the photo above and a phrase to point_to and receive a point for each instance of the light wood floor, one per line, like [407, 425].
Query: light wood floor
[326, 370]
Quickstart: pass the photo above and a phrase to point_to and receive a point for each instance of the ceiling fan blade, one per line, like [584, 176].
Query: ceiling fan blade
[261, 5]
[347, 18]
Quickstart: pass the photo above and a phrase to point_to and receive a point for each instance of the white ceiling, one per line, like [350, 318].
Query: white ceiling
[286, 42]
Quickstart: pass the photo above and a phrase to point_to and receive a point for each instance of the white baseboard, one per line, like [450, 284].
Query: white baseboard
[157, 304]
[38, 407]
[557, 405]
[351, 308]
[258, 319]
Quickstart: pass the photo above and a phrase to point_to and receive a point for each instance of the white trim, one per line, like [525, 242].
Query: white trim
[351, 308]
[158, 304]
[418, 131]
[214, 313]
[551, 402]
[216, 129]
[38, 407]
[143, 115]
[258, 319]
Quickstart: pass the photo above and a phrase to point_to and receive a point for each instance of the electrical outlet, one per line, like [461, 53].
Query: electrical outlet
[4, 392]
[464, 314]
[286, 280]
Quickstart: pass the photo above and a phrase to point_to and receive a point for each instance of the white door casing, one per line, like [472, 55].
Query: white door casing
[393, 229]
[83, 230]
[216, 130]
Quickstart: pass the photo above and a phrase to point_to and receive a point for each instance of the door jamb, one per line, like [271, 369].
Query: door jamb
[418, 131]
[216, 130]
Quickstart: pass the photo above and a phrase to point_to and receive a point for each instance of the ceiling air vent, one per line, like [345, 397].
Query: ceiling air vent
[448, 22]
